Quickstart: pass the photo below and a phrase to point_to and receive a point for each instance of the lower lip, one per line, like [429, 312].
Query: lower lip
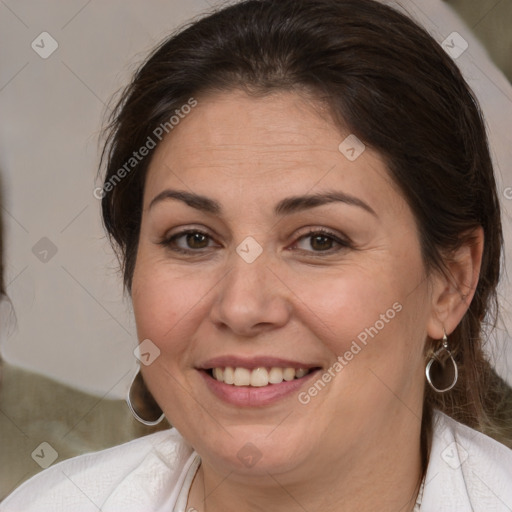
[249, 396]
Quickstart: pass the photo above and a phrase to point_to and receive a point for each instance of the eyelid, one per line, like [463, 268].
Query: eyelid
[311, 230]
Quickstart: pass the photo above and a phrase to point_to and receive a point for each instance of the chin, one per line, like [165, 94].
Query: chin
[256, 450]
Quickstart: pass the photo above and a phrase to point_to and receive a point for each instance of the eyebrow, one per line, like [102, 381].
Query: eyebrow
[286, 206]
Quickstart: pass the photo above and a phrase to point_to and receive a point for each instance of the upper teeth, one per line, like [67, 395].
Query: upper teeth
[258, 377]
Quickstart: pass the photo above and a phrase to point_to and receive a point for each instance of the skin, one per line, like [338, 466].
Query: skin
[356, 445]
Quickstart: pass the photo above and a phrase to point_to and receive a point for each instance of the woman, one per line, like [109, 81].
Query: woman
[305, 208]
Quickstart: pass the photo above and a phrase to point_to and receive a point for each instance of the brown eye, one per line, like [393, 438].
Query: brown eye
[196, 240]
[192, 241]
[322, 241]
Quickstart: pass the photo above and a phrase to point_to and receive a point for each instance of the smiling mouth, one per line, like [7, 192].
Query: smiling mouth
[257, 377]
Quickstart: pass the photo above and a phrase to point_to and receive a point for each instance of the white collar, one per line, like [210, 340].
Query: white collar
[468, 471]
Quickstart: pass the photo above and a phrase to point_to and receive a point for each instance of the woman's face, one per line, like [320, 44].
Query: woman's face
[272, 280]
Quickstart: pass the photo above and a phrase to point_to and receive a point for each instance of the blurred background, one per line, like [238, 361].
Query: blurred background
[67, 330]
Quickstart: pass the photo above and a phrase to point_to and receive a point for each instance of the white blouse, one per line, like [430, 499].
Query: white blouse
[467, 472]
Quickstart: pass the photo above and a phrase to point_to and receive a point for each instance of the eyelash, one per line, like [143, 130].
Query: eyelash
[168, 242]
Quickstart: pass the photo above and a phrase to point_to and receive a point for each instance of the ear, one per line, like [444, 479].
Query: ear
[452, 293]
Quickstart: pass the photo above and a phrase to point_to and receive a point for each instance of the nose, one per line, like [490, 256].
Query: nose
[252, 297]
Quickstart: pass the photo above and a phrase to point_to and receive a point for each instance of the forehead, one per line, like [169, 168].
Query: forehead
[248, 148]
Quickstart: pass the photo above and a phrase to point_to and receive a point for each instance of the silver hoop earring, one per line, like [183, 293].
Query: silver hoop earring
[440, 358]
[148, 401]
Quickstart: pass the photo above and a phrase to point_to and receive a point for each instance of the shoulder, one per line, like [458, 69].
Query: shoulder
[467, 470]
[144, 469]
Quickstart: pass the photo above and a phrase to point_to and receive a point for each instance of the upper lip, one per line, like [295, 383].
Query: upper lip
[253, 362]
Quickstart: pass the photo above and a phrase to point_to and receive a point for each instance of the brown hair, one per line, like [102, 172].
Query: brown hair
[386, 80]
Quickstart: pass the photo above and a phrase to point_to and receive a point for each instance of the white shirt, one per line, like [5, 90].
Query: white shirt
[467, 472]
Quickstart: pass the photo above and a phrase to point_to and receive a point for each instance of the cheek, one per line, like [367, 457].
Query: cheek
[164, 297]
[164, 301]
[349, 303]
[370, 323]
[373, 316]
